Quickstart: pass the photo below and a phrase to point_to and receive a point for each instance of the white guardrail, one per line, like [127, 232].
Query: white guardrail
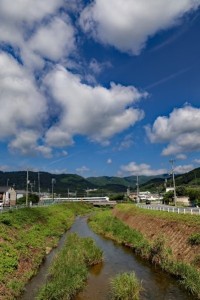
[173, 209]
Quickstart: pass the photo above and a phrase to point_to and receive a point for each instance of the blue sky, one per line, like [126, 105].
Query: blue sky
[100, 87]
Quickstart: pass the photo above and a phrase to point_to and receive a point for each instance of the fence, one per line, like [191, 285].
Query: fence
[173, 209]
[16, 207]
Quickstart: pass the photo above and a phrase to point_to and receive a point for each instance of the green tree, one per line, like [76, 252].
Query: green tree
[31, 198]
[181, 191]
[168, 197]
[194, 196]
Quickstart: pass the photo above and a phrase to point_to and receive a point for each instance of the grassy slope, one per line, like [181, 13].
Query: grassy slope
[187, 218]
[25, 236]
[156, 251]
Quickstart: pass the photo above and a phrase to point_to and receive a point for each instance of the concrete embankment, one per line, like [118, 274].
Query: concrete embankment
[176, 230]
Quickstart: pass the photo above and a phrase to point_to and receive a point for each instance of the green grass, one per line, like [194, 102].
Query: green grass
[69, 270]
[156, 252]
[194, 239]
[184, 218]
[25, 235]
[125, 286]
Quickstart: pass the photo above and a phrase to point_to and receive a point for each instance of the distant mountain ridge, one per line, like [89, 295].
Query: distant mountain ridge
[106, 184]
[129, 181]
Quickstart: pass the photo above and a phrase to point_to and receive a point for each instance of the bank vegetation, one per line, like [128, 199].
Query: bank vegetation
[171, 242]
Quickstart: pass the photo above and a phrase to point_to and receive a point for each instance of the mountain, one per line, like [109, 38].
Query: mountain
[190, 179]
[63, 182]
[102, 184]
[130, 181]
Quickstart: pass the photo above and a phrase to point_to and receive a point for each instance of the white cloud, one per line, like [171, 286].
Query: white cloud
[64, 153]
[24, 25]
[4, 168]
[181, 130]
[54, 40]
[109, 161]
[26, 142]
[58, 171]
[28, 10]
[140, 169]
[127, 25]
[126, 143]
[96, 112]
[82, 170]
[197, 161]
[181, 156]
[183, 169]
[97, 67]
[23, 108]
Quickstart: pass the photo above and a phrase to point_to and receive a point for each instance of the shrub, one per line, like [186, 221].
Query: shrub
[194, 239]
[158, 251]
[125, 286]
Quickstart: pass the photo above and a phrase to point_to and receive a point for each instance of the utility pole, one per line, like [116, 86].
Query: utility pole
[53, 181]
[173, 178]
[7, 181]
[39, 185]
[137, 184]
[27, 183]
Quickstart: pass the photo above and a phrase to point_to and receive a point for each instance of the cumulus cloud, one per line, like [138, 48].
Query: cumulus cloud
[183, 169]
[25, 25]
[54, 40]
[22, 105]
[139, 169]
[181, 131]
[28, 10]
[96, 112]
[127, 25]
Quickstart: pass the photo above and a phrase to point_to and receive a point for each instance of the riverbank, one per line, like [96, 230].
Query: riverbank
[26, 236]
[155, 250]
[175, 229]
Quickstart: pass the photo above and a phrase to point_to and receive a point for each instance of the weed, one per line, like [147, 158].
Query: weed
[125, 286]
[69, 270]
[157, 252]
[196, 261]
[25, 235]
[194, 239]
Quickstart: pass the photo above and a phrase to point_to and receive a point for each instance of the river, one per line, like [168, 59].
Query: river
[156, 284]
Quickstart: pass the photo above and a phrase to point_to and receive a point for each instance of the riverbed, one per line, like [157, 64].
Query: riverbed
[156, 284]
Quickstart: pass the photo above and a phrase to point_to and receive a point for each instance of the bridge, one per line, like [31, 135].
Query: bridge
[96, 201]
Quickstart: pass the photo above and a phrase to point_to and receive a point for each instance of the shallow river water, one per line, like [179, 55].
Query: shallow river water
[156, 284]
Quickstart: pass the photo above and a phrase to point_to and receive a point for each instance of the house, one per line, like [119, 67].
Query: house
[183, 200]
[146, 196]
[169, 189]
[20, 194]
[8, 196]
